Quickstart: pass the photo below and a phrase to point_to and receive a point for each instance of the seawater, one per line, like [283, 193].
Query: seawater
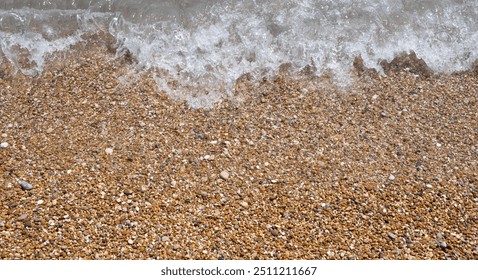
[208, 44]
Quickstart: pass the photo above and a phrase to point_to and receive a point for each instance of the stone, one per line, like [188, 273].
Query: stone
[109, 151]
[40, 202]
[224, 175]
[130, 242]
[244, 204]
[391, 177]
[442, 244]
[25, 185]
[391, 235]
[2, 224]
[4, 145]
[22, 217]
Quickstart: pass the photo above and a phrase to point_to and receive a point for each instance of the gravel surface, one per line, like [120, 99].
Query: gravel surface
[289, 168]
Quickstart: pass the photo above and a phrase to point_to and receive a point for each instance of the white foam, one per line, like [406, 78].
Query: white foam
[208, 44]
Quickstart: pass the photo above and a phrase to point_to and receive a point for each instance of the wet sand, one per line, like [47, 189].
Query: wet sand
[292, 168]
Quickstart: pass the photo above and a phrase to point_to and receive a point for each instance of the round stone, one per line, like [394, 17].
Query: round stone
[391, 177]
[244, 204]
[109, 151]
[224, 175]
[4, 145]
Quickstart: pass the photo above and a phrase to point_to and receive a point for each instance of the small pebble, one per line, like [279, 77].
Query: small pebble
[39, 202]
[109, 151]
[428, 186]
[128, 192]
[4, 145]
[274, 232]
[4, 135]
[130, 241]
[164, 238]
[439, 235]
[2, 224]
[25, 185]
[244, 204]
[391, 235]
[442, 244]
[224, 175]
[22, 217]
[391, 177]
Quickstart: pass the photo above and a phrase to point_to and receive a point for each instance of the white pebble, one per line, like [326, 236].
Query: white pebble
[244, 204]
[25, 185]
[109, 151]
[130, 241]
[39, 202]
[391, 177]
[4, 145]
[438, 145]
[4, 135]
[224, 175]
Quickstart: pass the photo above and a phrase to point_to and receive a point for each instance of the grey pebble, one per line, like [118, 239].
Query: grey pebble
[440, 235]
[25, 185]
[442, 244]
[2, 224]
[22, 217]
[391, 235]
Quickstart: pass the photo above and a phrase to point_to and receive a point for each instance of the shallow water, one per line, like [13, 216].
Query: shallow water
[209, 44]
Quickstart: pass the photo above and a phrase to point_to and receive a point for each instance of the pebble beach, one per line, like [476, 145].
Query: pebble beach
[290, 167]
